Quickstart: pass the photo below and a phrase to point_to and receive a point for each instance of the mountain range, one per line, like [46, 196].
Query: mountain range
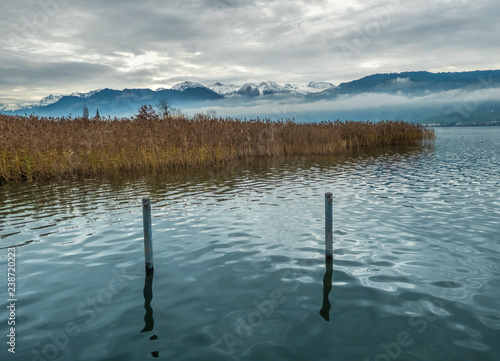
[413, 96]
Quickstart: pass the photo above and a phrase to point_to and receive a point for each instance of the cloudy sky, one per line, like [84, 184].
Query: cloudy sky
[62, 46]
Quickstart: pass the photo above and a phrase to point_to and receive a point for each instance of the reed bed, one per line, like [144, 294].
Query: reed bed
[34, 148]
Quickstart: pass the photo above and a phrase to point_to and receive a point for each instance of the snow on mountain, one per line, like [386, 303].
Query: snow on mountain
[223, 89]
[226, 90]
[320, 85]
[256, 89]
[299, 88]
[187, 85]
[14, 107]
[51, 99]
[48, 100]
[248, 89]
[270, 87]
[85, 95]
[312, 87]
[264, 88]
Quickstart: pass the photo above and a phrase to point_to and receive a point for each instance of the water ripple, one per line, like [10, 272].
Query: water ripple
[240, 271]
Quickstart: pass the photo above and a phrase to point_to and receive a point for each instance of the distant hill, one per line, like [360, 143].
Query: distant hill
[432, 98]
[416, 83]
[119, 102]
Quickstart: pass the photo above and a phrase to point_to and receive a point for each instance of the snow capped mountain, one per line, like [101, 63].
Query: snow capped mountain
[187, 85]
[270, 87]
[223, 89]
[312, 87]
[51, 99]
[248, 89]
[264, 88]
[320, 85]
[255, 89]
[85, 95]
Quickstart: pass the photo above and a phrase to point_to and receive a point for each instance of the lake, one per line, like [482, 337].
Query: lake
[240, 272]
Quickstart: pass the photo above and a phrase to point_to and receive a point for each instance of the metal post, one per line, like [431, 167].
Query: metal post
[328, 225]
[148, 239]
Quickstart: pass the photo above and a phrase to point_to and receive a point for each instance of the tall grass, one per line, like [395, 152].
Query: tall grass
[34, 148]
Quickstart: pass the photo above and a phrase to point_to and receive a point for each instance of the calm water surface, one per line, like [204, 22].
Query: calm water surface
[239, 260]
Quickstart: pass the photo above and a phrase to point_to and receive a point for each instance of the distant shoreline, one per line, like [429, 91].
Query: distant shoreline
[460, 125]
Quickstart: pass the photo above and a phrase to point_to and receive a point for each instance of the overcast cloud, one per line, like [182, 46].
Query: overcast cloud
[58, 46]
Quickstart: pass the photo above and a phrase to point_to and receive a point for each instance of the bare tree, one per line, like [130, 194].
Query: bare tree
[164, 108]
[211, 114]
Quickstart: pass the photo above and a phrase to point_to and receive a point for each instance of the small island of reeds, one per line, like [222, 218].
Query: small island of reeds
[36, 148]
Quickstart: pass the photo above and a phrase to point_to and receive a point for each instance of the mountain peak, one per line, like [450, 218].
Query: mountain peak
[51, 99]
[264, 88]
[84, 95]
[320, 85]
[187, 85]
[223, 89]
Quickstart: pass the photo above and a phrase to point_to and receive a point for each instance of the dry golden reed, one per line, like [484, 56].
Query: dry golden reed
[34, 148]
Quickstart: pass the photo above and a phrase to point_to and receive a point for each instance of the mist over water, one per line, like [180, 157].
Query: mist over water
[240, 272]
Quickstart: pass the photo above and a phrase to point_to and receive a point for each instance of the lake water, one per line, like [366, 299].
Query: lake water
[240, 272]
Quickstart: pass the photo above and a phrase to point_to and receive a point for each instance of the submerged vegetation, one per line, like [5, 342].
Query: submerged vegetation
[34, 148]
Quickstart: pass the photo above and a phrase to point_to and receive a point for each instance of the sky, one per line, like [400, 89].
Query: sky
[64, 46]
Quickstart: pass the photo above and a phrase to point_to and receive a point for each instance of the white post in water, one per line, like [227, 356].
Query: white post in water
[328, 225]
[148, 239]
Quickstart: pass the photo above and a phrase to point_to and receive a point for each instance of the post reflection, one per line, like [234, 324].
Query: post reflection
[148, 318]
[327, 287]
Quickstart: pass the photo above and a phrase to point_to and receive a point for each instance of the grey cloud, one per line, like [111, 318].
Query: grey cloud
[30, 73]
[35, 81]
[157, 43]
